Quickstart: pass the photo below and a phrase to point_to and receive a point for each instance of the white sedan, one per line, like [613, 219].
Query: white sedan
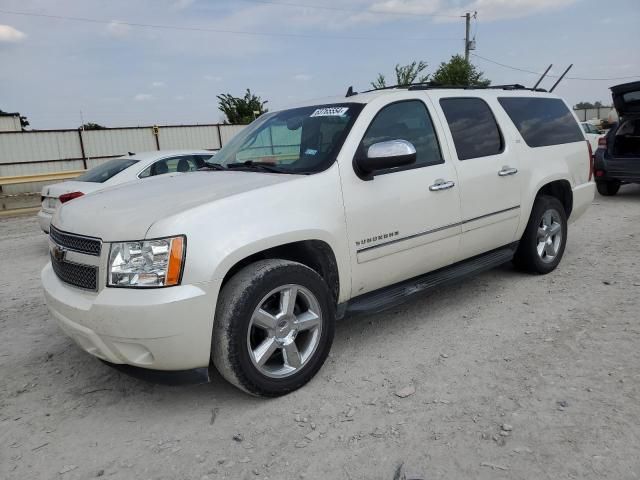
[116, 171]
[592, 133]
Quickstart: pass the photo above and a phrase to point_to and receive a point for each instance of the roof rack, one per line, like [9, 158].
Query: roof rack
[433, 86]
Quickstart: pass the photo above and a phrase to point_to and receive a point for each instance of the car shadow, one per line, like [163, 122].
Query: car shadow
[626, 192]
[86, 375]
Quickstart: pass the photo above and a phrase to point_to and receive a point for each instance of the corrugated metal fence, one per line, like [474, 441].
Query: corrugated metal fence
[48, 151]
[586, 114]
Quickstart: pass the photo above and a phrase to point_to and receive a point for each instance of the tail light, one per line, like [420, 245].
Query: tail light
[602, 142]
[65, 197]
[590, 160]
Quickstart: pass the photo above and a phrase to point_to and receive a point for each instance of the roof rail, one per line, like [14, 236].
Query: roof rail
[433, 85]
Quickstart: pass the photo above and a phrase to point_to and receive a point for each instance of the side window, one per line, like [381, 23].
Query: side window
[542, 121]
[406, 120]
[170, 165]
[202, 159]
[473, 127]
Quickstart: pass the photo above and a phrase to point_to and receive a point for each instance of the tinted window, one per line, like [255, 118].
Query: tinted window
[473, 127]
[542, 121]
[410, 121]
[104, 172]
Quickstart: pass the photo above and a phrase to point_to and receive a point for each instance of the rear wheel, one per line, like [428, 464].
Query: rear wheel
[608, 188]
[542, 244]
[274, 327]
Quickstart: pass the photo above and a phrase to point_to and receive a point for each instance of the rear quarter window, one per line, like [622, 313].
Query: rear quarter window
[542, 121]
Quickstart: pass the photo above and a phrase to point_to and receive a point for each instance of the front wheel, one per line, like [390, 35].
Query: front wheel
[608, 188]
[273, 328]
[542, 244]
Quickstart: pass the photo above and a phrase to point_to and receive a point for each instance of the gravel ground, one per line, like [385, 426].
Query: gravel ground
[507, 376]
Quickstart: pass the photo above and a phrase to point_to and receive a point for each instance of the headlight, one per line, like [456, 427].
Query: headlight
[148, 263]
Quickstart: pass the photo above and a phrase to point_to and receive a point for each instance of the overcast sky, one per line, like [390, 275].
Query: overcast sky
[122, 75]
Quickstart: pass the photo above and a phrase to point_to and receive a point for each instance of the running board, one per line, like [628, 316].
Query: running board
[393, 295]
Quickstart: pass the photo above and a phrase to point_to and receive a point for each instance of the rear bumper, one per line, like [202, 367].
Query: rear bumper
[623, 178]
[619, 169]
[156, 329]
[583, 196]
[44, 220]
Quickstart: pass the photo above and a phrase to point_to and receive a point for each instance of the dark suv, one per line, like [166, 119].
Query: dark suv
[617, 159]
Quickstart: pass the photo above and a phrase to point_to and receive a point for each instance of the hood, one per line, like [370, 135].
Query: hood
[58, 189]
[127, 211]
[626, 98]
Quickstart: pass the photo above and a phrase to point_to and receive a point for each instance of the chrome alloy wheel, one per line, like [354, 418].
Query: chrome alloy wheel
[549, 236]
[284, 331]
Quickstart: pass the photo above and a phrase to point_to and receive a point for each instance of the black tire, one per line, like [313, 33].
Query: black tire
[527, 257]
[608, 188]
[236, 304]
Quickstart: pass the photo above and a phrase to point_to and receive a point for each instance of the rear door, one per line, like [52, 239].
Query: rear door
[487, 169]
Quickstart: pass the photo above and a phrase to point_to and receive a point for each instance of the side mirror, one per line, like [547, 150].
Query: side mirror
[383, 155]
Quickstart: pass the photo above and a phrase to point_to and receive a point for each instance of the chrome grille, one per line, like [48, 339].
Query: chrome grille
[81, 276]
[77, 243]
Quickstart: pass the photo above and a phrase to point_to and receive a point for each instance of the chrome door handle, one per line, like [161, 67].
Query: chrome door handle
[506, 171]
[441, 184]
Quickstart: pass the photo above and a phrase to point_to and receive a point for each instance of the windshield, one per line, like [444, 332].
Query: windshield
[104, 172]
[300, 140]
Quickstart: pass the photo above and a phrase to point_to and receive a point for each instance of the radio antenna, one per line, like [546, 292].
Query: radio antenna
[543, 75]
[561, 77]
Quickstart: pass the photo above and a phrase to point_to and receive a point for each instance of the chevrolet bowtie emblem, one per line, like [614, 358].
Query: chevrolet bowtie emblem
[58, 253]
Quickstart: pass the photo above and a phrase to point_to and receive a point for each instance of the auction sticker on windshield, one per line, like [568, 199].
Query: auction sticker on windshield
[330, 112]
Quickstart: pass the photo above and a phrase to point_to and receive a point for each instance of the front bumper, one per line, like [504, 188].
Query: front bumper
[44, 220]
[156, 329]
[583, 196]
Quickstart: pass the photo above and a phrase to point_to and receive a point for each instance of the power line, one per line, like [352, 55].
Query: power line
[553, 76]
[353, 10]
[215, 30]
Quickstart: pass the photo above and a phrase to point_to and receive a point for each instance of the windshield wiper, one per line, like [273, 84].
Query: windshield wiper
[212, 166]
[260, 166]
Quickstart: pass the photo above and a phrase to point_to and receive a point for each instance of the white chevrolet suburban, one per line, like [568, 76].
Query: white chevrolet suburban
[311, 214]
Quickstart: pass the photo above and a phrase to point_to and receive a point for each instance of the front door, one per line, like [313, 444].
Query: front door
[406, 220]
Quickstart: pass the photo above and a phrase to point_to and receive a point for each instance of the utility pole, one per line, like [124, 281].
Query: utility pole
[467, 18]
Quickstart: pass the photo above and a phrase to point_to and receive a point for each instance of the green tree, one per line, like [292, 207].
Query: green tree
[241, 110]
[92, 126]
[582, 105]
[459, 71]
[405, 75]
